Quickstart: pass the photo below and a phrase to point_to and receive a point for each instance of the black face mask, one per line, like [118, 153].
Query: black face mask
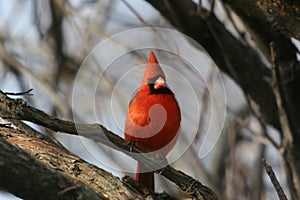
[163, 90]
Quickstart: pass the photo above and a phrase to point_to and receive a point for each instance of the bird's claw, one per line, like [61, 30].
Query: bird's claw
[131, 144]
[161, 170]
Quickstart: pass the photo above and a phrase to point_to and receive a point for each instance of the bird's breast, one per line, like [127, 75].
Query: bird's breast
[153, 120]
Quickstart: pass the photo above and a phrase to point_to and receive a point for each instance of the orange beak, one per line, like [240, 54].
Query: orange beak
[159, 83]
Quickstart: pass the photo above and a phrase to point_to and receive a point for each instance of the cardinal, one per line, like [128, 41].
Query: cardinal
[153, 118]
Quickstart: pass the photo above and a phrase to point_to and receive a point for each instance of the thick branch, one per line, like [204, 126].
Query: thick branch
[28, 178]
[19, 109]
[282, 15]
[69, 165]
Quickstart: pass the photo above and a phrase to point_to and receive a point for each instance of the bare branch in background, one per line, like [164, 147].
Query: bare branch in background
[274, 180]
[289, 128]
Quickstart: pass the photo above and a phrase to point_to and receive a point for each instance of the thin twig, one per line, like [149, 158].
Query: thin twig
[215, 36]
[257, 115]
[275, 181]
[279, 97]
[135, 13]
[19, 93]
[242, 34]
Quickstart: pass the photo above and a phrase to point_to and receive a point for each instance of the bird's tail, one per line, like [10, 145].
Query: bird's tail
[146, 178]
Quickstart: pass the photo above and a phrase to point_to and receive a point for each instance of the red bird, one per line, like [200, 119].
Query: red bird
[153, 118]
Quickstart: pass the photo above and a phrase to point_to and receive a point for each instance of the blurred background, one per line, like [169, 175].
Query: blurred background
[69, 53]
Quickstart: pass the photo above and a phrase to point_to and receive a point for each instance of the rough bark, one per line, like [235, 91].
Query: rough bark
[32, 168]
[28, 178]
[283, 16]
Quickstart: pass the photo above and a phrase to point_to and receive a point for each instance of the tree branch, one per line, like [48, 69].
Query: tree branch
[290, 149]
[274, 180]
[28, 178]
[282, 15]
[20, 110]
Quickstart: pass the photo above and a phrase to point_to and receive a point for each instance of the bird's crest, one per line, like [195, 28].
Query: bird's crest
[153, 69]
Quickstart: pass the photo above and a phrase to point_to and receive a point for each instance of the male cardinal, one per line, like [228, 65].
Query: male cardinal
[153, 118]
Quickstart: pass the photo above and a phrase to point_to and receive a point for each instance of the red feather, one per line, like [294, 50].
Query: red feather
[153, 118]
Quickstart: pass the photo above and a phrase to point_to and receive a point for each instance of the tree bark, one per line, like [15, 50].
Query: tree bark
[283, 16]
[32, 168]
[28, 178]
